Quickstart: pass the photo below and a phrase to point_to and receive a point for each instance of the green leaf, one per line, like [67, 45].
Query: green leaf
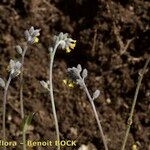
[26, 122]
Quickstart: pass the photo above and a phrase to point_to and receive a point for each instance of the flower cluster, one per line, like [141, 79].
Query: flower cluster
[31, 35]
[65, 42]
[14, 68]
[77, 75]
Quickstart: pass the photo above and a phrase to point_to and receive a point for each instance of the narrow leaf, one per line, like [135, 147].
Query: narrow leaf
[26, 122]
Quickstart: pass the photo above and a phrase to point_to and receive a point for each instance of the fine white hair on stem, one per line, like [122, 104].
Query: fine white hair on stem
[77, 75]
[14, 69]
[31, 37]
[64, 42]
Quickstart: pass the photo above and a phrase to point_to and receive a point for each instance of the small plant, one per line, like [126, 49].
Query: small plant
[60, 41]
[77, 75]
[15, 69]
[31, 37]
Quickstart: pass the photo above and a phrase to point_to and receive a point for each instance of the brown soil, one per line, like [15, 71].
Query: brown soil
[115, 73]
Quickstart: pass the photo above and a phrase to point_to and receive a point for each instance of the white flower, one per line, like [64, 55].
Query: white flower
[14, 68]
[31, 35]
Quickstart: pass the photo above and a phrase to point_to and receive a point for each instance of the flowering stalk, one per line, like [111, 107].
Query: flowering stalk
[96, 115]
[75, 76]
[31, 36]
[4, 108]
[21, 84]
[66, 43]
[52, 94]
[134, 103]
[14, 69]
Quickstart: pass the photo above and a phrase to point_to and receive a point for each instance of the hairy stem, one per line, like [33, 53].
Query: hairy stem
[24, 140]
[96, 115]
[52, 94]
[4, 108]
[134, 103]
[21, 84]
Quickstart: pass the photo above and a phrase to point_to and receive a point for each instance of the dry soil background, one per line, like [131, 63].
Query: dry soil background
[97, 25]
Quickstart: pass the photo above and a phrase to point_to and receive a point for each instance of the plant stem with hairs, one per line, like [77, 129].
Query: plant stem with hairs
[77, 75]
[66, 43]
[134, 103]
[21, 83]
[24, 140]
[31, 36]
[96, 115]
[52, 94]
[14, 69]
[4, 108]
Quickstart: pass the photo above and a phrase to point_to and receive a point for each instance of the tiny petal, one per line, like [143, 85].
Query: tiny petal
[27, 35]
[36, 32]
[68, 50]
[31, 30]
[2, 83]
[72, 45]
[84, 73]
[65, 81]
[96, 94]
[36, 40]
[18, 65]
[71, 85]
